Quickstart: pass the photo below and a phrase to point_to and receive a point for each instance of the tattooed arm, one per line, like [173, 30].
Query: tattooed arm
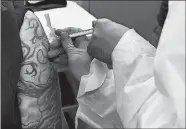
[39, 91]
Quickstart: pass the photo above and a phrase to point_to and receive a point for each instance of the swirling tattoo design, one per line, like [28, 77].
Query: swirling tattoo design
[39, 91]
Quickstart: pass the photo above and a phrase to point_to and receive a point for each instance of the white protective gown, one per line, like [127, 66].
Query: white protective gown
[150, 86]
[149, 83]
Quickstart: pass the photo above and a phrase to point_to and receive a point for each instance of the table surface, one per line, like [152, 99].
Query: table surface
[70, 16]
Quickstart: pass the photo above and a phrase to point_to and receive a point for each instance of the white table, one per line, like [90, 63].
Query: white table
[71, 16]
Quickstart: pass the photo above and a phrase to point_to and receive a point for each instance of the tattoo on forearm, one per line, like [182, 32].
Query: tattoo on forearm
[39, 91]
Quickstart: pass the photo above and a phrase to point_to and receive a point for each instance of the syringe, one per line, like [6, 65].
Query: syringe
[74, 35]
[82, 33]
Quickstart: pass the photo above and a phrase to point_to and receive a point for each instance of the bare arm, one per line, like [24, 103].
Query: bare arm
[39, 95]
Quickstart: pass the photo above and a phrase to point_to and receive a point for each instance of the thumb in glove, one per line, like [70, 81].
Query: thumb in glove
[67, 42]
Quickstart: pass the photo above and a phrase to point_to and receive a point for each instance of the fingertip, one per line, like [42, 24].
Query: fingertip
[58, 32]
[55, 43]
[64, 36]
[54, 53]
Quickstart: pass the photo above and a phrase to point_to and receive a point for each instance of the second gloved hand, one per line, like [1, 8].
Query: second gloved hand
[78, 58]
[105, 37]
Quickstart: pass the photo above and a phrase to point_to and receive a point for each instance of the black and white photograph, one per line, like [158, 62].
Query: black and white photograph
[92, 64]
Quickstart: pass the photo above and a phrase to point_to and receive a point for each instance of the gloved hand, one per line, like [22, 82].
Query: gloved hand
[105, 37]
[57, 56]
[76, 58]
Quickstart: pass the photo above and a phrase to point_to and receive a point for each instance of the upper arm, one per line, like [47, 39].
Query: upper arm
[39, 91]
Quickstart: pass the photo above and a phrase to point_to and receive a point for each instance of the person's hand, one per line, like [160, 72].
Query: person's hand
[78, 59]
[57, 56]
[105, 37]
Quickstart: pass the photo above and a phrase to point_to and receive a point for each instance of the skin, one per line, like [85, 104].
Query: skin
[39, 91]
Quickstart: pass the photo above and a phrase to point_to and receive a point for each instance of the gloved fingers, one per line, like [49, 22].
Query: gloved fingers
[93, 38]
[96, 51]
[58, 32]
[97, 23]
[76, 41]
[60, 63]
[62, 60]
[102, 21]
[67, 42]
[55, 52]
[90, 47]
[70, 30]
[56, 43]
[81, 42]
